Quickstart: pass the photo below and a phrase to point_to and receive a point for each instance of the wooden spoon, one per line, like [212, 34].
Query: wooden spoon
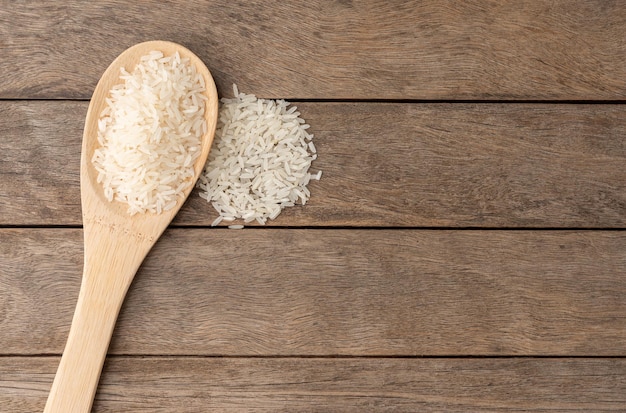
[116, 243]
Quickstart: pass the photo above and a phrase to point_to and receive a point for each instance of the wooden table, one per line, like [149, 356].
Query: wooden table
[464, 250]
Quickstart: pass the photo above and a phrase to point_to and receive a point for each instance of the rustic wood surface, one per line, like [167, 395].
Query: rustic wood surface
[191, 384]
[384, 164]
[513, 49]
[465, 249]
[334, 292]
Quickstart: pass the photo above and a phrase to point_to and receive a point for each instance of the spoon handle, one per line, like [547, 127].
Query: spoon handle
[77, 377]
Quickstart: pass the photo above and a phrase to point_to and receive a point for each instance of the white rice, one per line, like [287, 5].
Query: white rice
[150, 133]
[260, 159]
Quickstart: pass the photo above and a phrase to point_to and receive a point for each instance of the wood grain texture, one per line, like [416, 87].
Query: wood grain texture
[39, 169]
[515, 300]
[339, 385]
[467, 165]
[432, 49]
[333, 292]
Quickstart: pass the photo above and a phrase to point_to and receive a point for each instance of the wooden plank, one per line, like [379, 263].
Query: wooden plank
[171, 385]
[431, 49]
[39, 169]
[333, 292]
[469, 165]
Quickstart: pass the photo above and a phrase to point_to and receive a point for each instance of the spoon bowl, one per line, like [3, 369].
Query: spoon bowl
[115, 243]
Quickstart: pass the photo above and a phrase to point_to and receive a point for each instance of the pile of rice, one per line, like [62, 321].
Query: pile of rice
[259, 162]
[150, 133]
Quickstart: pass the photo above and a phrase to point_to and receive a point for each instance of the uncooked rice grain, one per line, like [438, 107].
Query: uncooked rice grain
[150, 133]
[260, 159]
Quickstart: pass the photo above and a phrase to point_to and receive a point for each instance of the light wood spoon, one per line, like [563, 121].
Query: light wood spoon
[116, 243]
